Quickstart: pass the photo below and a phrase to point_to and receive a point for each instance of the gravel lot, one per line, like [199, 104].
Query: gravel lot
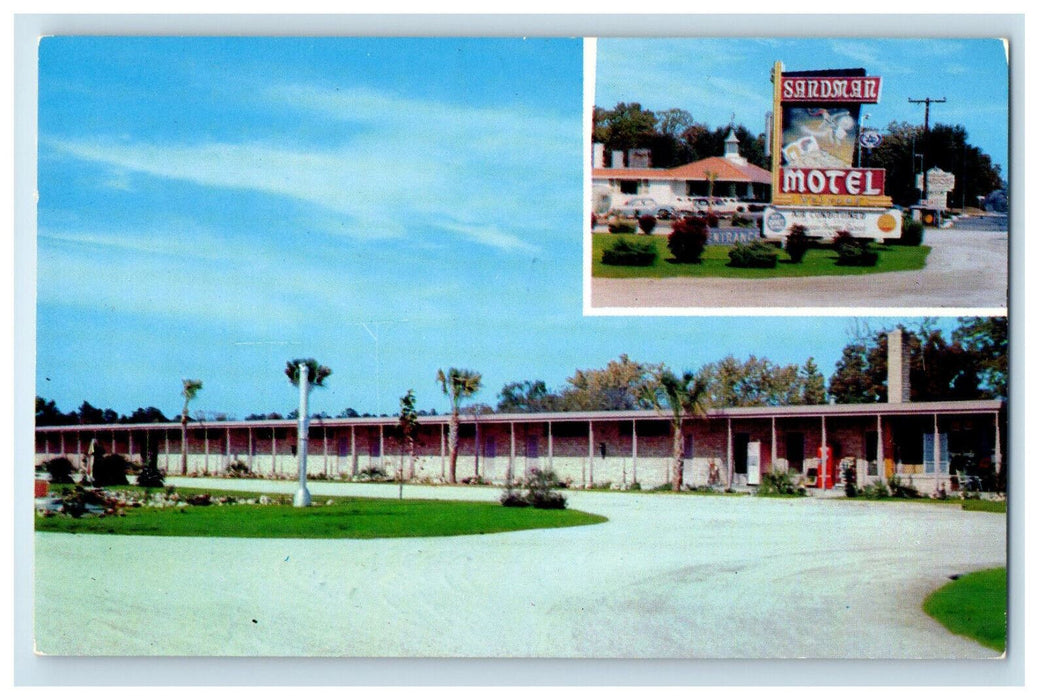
[966, 269]
[667, 577]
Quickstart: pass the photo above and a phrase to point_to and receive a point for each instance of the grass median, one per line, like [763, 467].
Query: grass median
[333, 518]
[818, 262]
[973, 606]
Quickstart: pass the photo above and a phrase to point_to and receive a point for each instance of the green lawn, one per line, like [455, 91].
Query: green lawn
[984, 506]
[973, 606]
[818, 261]
[354, 518]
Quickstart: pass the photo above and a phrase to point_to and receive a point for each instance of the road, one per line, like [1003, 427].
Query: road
[668, 576]
[967, 269]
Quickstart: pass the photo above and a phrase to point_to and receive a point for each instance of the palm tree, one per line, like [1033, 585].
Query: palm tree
[458, 384]
[305, 374]
[190, 387]
[684, 397]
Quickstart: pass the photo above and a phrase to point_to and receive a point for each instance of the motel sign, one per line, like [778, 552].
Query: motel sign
[815, 129]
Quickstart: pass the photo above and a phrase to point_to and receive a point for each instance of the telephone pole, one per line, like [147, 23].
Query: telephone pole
[926, 132]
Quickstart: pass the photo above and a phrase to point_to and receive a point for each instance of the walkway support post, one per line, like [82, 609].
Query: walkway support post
[879, 461]
[635, 453]
[773, 444]
[936, 454]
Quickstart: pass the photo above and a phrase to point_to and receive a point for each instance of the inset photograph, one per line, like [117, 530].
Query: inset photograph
[817, 173]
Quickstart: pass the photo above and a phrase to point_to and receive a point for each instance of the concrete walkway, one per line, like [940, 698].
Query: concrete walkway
[966, 269]
[667, 577]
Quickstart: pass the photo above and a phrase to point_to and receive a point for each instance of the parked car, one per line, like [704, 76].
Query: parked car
[724, 206]
[683, 206]
[701, 205]
[751, 210]
[646, 206]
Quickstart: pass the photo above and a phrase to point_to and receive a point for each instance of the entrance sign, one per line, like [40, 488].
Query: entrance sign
[815, 135]
[825, 222]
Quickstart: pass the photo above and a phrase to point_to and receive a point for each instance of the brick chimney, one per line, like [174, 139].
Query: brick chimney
[598, 159]
[898, 368]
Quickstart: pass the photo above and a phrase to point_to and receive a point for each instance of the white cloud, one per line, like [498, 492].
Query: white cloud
[490, 236]
[406, 163]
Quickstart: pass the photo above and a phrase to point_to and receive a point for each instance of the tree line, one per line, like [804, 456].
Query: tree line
[969, 363]
[674, 138]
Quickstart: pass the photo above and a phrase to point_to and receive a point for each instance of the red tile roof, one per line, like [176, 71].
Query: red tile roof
[725, 170]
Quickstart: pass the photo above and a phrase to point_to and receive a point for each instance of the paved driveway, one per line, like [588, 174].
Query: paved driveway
[966, 269]
[667, 577]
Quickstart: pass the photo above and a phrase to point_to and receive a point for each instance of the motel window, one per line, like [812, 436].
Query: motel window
[374, 447]
[928, 462]
[653, 428]
[343, 447]
[629, 186]
[490, 447]
[571, 429]
[688, 447]
[532, 447]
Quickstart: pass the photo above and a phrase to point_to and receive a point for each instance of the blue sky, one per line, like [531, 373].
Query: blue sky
[715, 79]
[212, 207]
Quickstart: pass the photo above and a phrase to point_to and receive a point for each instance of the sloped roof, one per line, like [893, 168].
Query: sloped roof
[724, 169]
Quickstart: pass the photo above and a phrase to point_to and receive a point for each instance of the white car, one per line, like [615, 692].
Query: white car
[646, 206]
[683, 205]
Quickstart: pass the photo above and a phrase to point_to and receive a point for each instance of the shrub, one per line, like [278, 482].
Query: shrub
[150, 476]
[371, 474]
[911, 231]
[199, 499]
[539, 490]
[688, 238]
[621, 226]
[758, 254]
[899, 490]
[635, 486]
[739, 221]
[540, 494]
[711, 220]
[856, 253]
[647, 223]
[778, 483]
[238, 468]
[80, 500]
[111, 470]
[511, 498]
[60, 469]
[797, 243]
[850, 481]
[623, 252]
[876, 490]
[842, 238]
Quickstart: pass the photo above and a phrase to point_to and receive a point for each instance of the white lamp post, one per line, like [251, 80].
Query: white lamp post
[302, 498]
